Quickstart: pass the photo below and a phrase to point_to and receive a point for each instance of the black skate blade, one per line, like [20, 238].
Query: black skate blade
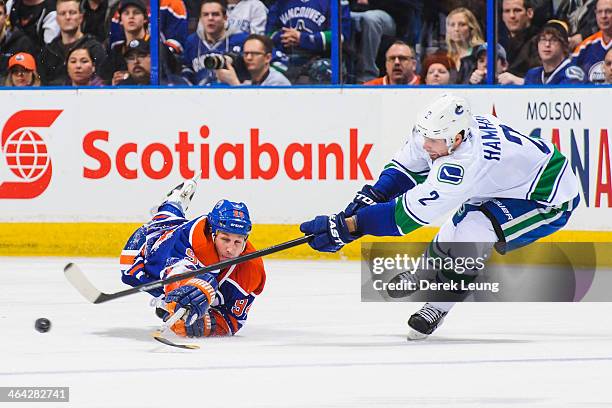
[158, 336]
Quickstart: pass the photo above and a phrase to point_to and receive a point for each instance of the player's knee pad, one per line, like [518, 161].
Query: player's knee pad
[475, 227]
[473, 237]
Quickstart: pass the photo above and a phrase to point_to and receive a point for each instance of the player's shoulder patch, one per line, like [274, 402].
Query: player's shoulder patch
[574, 72]
[451, 173]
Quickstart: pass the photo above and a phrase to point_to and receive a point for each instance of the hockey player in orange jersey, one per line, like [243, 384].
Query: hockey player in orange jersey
[215, 303]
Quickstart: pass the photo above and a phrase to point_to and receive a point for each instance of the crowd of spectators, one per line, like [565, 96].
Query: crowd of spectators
[289, 42]
[540, 42]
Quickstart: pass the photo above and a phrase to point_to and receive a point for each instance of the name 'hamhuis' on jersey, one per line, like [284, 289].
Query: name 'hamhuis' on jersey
[493, 161]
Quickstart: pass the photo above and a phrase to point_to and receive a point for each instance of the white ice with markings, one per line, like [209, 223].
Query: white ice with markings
[309, 342]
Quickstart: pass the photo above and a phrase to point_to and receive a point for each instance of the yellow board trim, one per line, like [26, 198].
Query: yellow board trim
[107, 239]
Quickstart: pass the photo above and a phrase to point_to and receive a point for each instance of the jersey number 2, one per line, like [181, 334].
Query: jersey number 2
[433, 195]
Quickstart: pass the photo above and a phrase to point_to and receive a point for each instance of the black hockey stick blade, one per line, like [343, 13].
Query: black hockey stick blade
[80, 282]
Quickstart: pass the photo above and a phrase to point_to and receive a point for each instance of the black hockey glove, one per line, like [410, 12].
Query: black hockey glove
[368, 195]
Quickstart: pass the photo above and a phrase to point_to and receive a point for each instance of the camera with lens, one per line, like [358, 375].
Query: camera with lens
[220, 61]
[215, 61]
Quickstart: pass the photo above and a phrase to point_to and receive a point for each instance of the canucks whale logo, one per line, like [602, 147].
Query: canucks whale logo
[451, 174]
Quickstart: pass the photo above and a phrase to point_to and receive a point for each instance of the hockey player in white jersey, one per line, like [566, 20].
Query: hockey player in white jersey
[508, 190]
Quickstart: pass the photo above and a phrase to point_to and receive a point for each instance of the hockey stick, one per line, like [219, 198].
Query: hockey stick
[158, 334]
[80, 282]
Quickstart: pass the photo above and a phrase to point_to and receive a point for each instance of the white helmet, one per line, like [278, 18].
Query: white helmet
[444, 118]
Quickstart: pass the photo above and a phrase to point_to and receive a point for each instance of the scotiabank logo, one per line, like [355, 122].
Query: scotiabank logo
[26, 154]
[229, 161]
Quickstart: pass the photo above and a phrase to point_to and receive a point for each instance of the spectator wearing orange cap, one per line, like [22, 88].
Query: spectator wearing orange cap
[22, 71]
[437, 69]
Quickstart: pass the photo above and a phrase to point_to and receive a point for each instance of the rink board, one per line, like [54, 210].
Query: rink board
[83, 167]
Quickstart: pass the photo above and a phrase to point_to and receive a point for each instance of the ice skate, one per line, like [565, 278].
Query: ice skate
[181, 195]
[425, 321]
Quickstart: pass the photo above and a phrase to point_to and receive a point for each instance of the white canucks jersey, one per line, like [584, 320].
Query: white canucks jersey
[494, 161]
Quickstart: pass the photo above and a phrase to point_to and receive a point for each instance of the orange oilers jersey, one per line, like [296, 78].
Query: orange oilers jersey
[172, 241]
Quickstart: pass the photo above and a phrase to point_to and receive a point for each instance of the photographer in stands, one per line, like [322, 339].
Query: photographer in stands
[257, 54]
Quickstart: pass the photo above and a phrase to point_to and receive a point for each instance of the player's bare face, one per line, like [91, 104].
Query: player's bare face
[228, 245]
[213, 19]
[435, 147]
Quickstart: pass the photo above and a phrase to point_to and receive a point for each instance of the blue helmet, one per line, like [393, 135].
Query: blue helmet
[228, 216]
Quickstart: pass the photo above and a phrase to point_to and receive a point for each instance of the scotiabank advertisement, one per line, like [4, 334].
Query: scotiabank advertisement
[111, 155]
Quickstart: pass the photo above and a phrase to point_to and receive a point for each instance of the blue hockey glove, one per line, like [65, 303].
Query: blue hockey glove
[368, 195]
[195, 295]
[196, 329]
[331, 232]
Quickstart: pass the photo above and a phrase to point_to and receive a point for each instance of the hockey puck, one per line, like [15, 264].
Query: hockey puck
[42, 325]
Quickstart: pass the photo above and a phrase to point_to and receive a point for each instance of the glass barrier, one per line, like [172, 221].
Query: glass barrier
[304, 42]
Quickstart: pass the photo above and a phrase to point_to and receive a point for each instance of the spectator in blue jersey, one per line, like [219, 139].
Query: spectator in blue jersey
[608, 67]
[257, 55]
[52, 60]
[247, 16]
[134, 20]
[302, 30]
[211, 38]
[553, 49]
[172, 24]
[589, 55]
[479, 75]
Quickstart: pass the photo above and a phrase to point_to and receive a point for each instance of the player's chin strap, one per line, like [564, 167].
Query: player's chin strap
[451, 149]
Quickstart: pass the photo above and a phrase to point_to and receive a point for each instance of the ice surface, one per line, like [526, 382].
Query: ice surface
[309, 342]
